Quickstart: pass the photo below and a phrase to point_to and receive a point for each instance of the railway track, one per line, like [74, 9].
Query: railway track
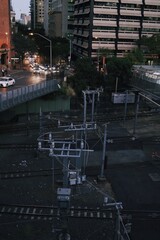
[40, 212]
[141, 214]
[41, 173]
[52, 123]
[19, 146]
[50, 212]
[28, 174]
[112, 140]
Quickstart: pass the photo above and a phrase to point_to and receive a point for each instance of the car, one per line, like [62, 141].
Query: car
[6, 81]
[36, 70]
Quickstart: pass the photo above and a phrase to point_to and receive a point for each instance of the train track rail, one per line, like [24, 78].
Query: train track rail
[28, 174]
[112, 140]
[19, 146]
[34, 212]
[40, 212]
[5, 175]
[52, 123]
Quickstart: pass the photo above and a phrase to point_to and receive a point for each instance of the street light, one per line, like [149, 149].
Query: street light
[69, 37]
[50, 44]
[70, 50]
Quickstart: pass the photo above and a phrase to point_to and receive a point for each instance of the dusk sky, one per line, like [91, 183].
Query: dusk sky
[20, 6]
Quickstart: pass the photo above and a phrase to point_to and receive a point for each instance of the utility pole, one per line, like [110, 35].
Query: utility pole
[101, 177]
[136, 114]
[125, 106]
[50, 45]
[90, 93]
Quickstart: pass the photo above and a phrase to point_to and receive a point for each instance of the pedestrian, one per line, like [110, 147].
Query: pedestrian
[3, 72]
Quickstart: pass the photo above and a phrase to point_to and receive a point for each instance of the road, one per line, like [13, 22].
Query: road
[24, 78]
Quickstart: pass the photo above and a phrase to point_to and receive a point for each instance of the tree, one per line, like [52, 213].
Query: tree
[23, 44]
[150, 46]
[136, 56]
[118, 67]
[86, 75]
[60, 48]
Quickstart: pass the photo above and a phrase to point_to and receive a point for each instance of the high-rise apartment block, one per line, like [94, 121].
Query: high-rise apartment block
[55, 16]
[113, 24]
[37, 14]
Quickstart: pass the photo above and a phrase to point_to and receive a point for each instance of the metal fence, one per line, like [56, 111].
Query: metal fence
[20, 95]
[147, 78]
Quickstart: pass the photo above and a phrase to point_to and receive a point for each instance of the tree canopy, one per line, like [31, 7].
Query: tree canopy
[118, 67]
[85, 76]
[23, 44]
[150, 46]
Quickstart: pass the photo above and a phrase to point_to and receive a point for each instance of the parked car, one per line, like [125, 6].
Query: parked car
[6, 81]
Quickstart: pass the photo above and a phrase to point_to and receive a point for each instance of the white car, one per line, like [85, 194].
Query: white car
[36, 70]
[6, 81]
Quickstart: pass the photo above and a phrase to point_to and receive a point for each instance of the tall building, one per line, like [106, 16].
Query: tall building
[63, 12]
[5, 33]
[24, 19]
[113, 24]
[55, 16]
[47, 10]
[37, 14]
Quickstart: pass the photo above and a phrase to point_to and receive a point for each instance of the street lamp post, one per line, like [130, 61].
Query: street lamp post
[70, 49]
[50, 45]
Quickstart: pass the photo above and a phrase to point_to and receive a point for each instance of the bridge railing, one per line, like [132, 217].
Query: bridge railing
[17, 96]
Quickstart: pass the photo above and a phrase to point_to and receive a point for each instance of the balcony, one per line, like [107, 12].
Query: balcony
[130, 12]
[152, 2]
[129, 24]
[151, 13]
[104, 34]
[105, 11]
[151, 25]
[126, 46]
[128, 35]
[131, 1]
[104, 22]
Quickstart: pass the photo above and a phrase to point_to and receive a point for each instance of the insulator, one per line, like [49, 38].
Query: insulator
[39, 145]
[50, 151]
[50, 136]
[82, 144]
[52, 145]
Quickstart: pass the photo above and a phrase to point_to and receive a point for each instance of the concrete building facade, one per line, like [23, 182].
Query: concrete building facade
[113, 24]
[37, 14]
[47, 10]
[65, 9]
[55, 16]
